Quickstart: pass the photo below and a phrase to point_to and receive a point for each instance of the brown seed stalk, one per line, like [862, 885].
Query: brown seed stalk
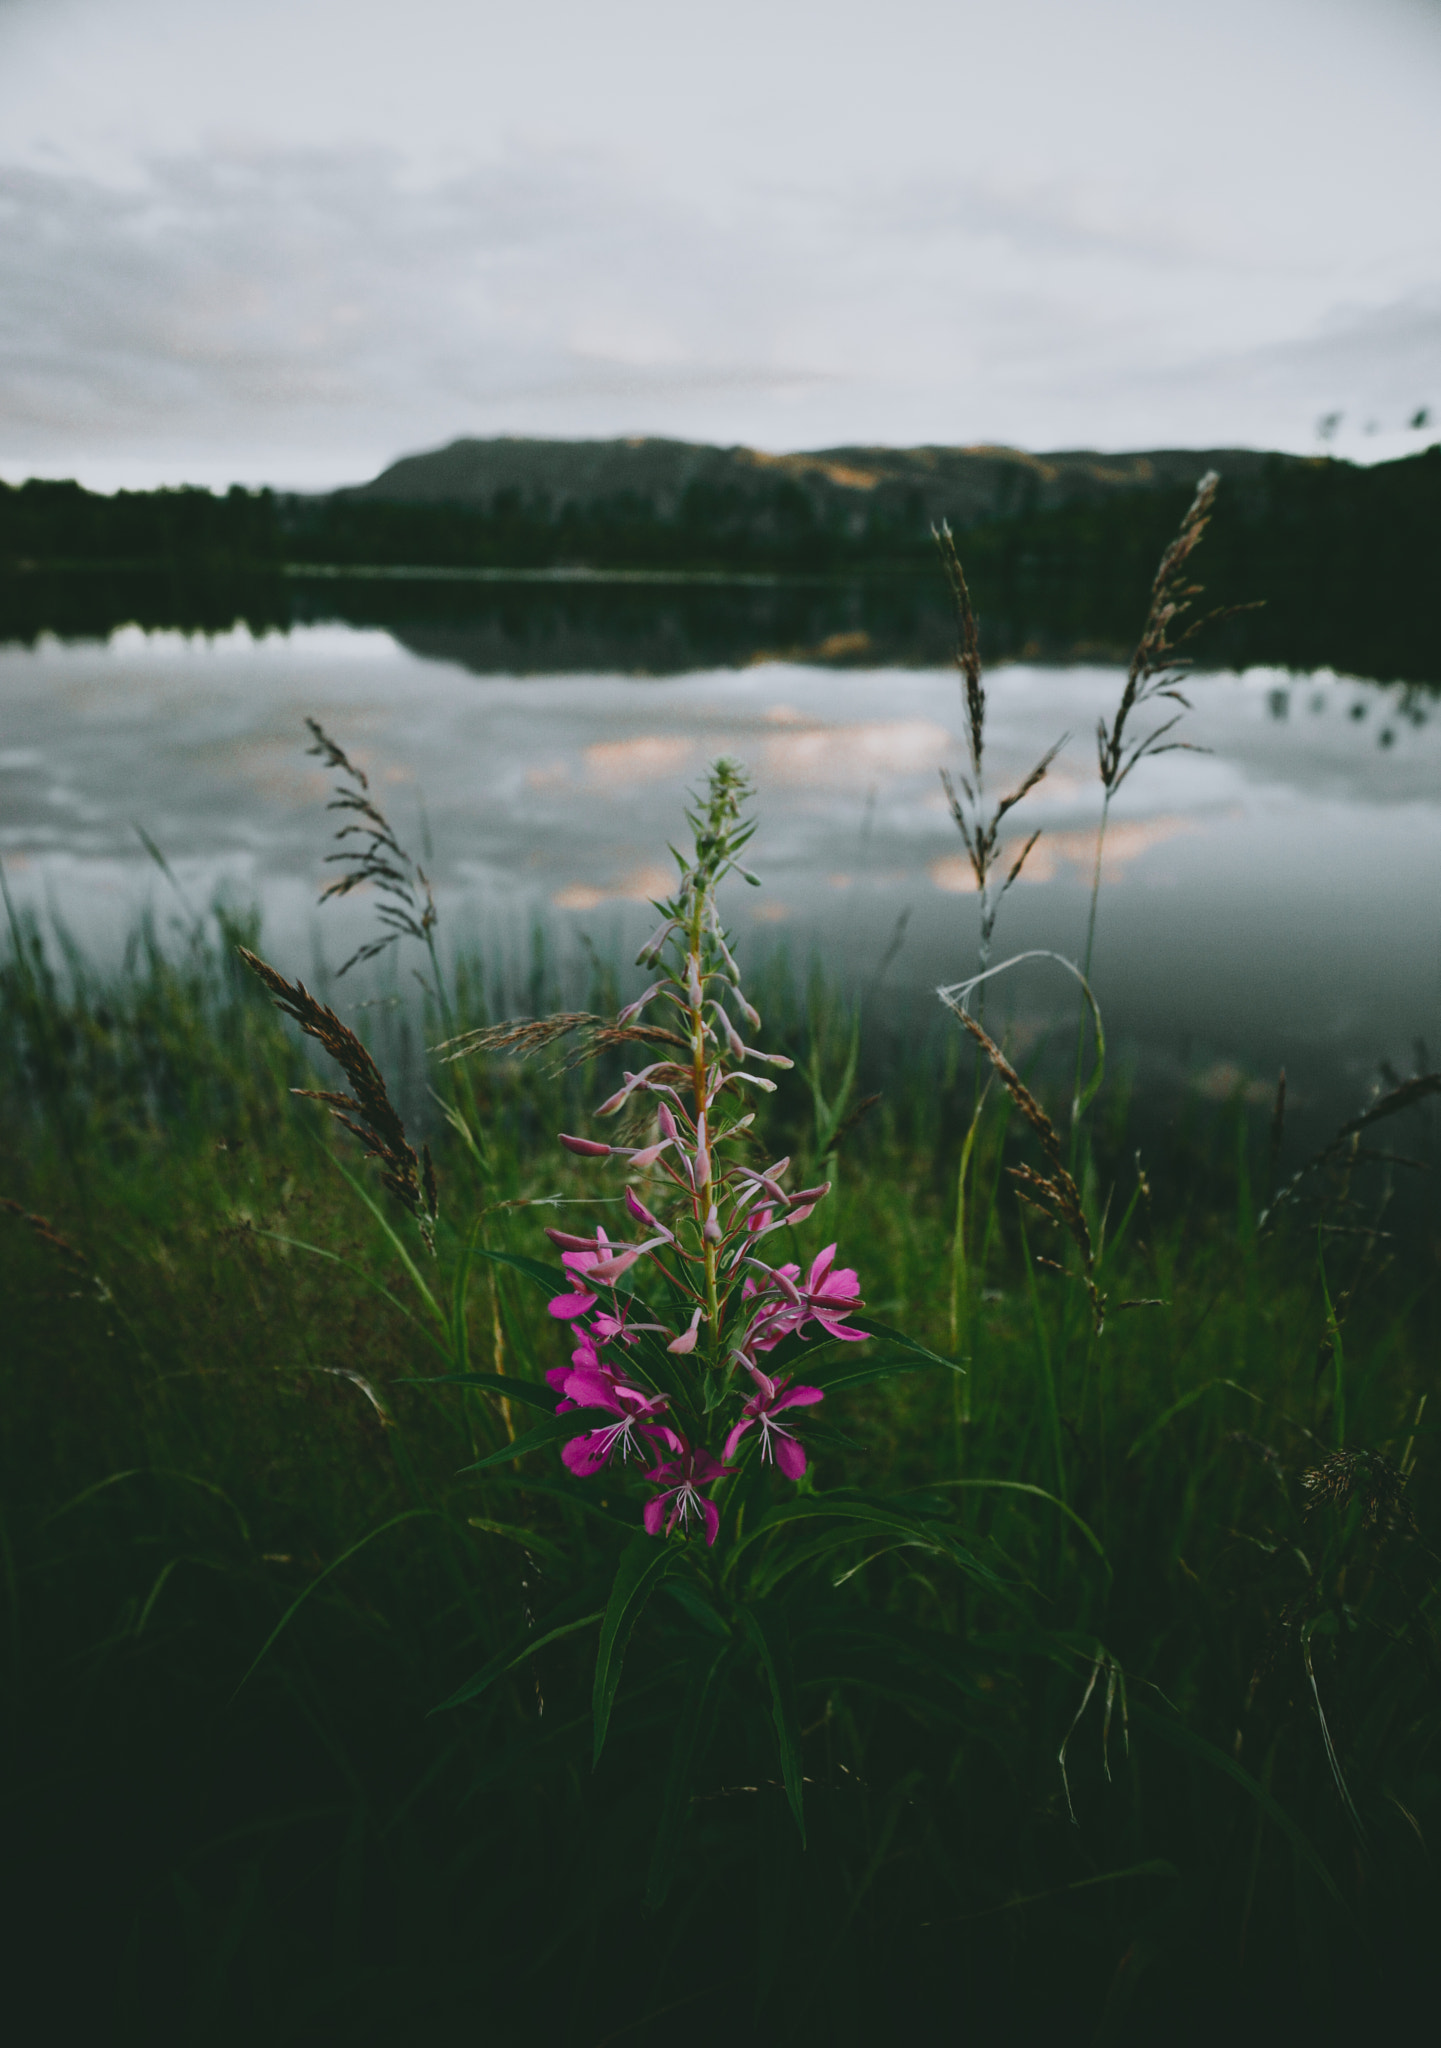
[367, 1112]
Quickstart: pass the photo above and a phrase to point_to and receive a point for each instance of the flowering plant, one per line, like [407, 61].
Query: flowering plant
[698, 1354]
[676, 1376]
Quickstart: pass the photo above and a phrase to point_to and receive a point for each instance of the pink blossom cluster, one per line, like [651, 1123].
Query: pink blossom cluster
[779, 1305]
[713, 1305]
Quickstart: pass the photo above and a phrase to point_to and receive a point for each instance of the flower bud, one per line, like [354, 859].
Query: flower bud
[687, 1340]
[585, 1148]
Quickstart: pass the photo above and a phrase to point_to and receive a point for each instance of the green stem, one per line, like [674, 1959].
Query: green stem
[1086, 972]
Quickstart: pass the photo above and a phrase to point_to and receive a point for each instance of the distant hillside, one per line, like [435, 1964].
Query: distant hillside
[678, 505]
[853, 490]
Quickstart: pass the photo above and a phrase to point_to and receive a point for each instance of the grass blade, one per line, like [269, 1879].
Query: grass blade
[768, 1634]
[643, 1564]
[685, 1749]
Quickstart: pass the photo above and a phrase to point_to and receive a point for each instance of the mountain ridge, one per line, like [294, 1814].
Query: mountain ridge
[851, 484]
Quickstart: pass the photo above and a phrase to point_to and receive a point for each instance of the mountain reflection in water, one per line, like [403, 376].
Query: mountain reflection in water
[1271, 900]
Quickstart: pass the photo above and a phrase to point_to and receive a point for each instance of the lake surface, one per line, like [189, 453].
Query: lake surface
[1274, 900]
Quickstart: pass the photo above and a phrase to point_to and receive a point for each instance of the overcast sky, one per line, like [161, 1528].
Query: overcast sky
[288, 240]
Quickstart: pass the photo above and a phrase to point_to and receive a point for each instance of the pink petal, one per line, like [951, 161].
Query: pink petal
[842, 1285]
[712, 1519]
[585, 1455]
[736, 1434]
[566, 1307]
[820, 1266]
[798, 1397]
[593, 1390]
[841, 1330]
[610, 1270]
[654, 1516]
[790, 1458]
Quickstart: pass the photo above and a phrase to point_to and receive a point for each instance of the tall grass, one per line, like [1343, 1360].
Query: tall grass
[1107, 1691]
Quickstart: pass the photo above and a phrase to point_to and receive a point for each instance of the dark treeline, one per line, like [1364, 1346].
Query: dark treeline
[1339, 554]
[47, 524]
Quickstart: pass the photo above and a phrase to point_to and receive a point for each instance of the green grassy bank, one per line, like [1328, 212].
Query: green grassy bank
[1104, 1544]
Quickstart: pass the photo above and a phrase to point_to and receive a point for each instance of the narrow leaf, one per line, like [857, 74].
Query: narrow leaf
[644, 1563]
[685, 1748]
[494, 1383]
[767, 1631]
[409, 1515]
[574, 1422]
[508, 1659]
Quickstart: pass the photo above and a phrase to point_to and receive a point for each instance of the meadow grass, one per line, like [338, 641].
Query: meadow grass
[1166, 1759]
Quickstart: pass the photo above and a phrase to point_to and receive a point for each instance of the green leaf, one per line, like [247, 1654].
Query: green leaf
[574, 1422]
[690, 1728]
[1154, 1866]
[644, 1563]
[883, 1368]
[574, 1495]
[693, 1602]
[512, 1389]
[914, 1529]
[1040, 1493]
[551, 1278]
[1177, 1407]
[319, 1251]
[921, 1352]
[151, 1472]
[1181, 1737]
[508, 1659]
[397, 1244]
[768, 1633]
[300, 1599]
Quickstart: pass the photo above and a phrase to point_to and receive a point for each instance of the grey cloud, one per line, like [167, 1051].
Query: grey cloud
[306, 315]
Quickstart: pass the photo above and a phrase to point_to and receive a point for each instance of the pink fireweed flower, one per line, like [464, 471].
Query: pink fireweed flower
[638, 1423]
[577, 1266]
[765, 1404]
[829, 1293]
[584, 1358]
[680, 1500]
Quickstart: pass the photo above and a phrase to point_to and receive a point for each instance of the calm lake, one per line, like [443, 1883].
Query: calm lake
[1271, 901]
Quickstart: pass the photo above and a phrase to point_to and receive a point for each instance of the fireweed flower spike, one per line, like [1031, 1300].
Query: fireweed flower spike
[689, 1294]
